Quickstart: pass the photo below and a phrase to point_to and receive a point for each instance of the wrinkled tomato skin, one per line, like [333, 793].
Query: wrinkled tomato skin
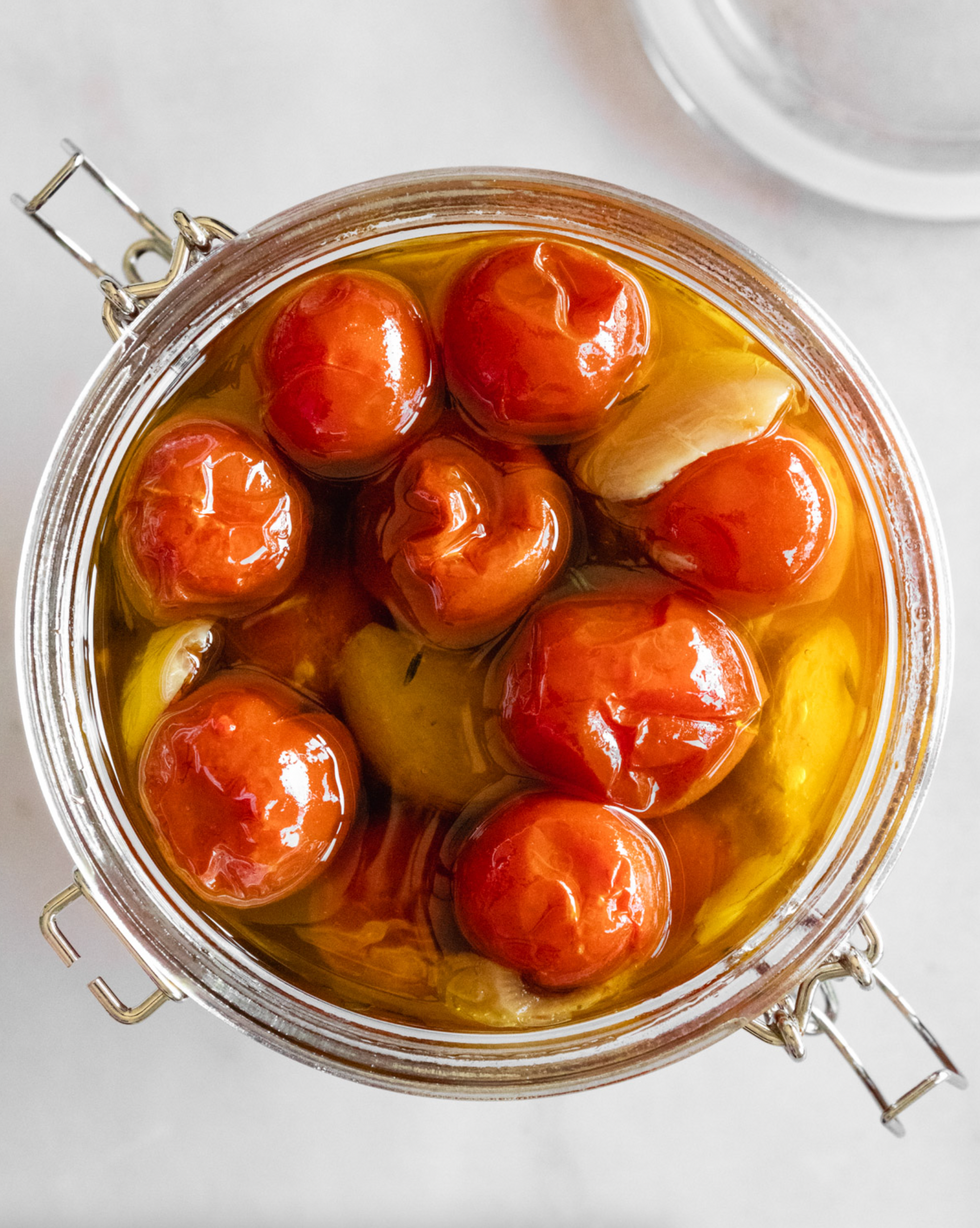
[748, 525]
[210, 523]
[540, 338]
[250, 789]
[464, 536]
[300, 637]
[637, 695]
[564, 891]
[349, 373]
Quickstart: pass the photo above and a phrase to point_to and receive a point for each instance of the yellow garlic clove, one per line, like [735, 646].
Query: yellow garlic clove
[811, 717]
[172, 661]
[417, 714]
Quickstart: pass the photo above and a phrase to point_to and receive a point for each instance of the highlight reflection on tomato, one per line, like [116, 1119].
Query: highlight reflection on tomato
[563, 890]
[210, 522]
[635, 694]
[540, 337]
[350, 373]
[250, 789]
[464, 536]
[748, 525]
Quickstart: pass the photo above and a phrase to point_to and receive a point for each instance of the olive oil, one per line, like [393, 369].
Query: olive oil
[375, 931]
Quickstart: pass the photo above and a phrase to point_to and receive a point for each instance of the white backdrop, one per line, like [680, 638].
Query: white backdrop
[238, 110]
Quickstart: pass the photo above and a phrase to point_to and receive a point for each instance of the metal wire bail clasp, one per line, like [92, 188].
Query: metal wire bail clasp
[790, 1021]
[164, 992]
[123, 303]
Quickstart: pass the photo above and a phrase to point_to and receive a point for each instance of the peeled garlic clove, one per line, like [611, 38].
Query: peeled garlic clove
[698, 401]
[484, 993]
[417, 714]
[810, 719]
[171, 662]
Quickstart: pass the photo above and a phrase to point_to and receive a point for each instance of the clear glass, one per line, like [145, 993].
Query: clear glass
[876, 103]
[62, 713]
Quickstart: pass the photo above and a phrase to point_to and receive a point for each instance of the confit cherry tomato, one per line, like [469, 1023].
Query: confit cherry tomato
[464, 536]
[701, 857]
[368, 916]
[635, 694]
[563, 890]
[250, 789]
[300, 637]
[748, 525]
[349, 373]
[210, 522]
[540, 337]
[387, 868]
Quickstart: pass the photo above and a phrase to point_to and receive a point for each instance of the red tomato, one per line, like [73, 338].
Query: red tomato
[464, 536]
[299, 639]
[210, 522]
[749, 525]
[249, 788]
[386, 871]
[349, 371]
[635, 694]
[563, 890]
[700, 856]
[368, 915]
[540, 337]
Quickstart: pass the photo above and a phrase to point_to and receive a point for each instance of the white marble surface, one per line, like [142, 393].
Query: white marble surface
[238, 110]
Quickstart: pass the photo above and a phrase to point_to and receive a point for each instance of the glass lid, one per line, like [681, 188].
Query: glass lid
[876, 104]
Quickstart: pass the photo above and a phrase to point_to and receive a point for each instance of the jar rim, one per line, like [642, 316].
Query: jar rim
[54, 629]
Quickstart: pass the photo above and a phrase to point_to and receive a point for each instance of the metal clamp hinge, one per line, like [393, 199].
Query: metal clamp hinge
[164, 992]
[195, 238]
[791, 1020]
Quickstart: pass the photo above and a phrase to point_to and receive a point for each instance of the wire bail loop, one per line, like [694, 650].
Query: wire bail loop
[164, 991]
[123, 304]
[788, 1022]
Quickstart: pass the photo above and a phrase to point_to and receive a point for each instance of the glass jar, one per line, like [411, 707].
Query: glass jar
[804, 943]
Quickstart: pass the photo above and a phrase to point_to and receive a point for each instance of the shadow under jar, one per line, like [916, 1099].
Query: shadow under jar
[68, 694]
